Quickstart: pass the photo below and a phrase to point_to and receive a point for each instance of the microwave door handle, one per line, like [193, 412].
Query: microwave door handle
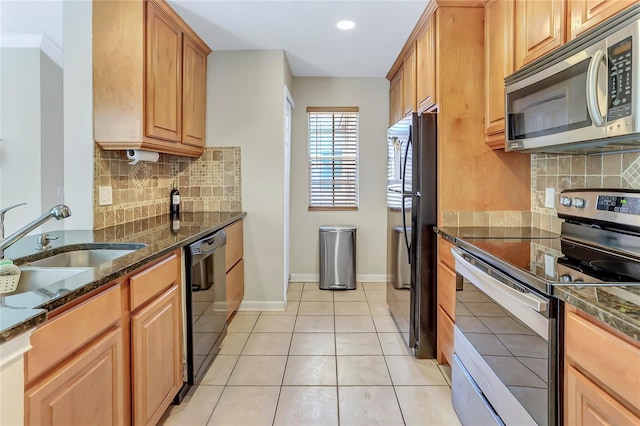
[592, 89]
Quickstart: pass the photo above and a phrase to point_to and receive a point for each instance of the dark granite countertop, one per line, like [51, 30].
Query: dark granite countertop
[22, 311]
[481, 232]
[615, 305]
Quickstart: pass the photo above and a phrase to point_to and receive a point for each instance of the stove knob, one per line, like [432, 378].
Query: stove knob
[565, 278]
[578, 202]
[565, 201]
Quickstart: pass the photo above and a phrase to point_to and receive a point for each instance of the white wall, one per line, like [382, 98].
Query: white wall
[78, 114]
[371, 95]
[21, 133]
[245, 107]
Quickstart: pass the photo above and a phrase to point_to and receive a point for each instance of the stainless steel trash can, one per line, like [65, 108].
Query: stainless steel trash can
[402, 277]
[337, 257]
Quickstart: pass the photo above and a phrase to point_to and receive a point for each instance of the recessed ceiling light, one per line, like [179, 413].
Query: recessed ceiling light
[346, 25]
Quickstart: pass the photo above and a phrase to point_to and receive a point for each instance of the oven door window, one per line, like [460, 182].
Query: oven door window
[515, 353]
[556, 104]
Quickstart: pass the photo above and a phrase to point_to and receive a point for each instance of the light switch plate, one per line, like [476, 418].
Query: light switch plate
[550, 198]
[105, 196]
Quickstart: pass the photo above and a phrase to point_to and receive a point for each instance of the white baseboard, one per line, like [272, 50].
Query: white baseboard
[372, 278]
[253, 305]
[366, 278]
[305, 278]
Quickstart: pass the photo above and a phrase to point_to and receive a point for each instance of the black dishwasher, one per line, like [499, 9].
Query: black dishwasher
[205, 307]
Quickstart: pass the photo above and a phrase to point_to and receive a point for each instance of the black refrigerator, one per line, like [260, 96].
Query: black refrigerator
[412, 183]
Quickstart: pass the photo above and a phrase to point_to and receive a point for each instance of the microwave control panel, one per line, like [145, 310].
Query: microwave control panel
[620, 85]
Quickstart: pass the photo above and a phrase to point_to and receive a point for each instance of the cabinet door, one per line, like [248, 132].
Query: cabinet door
[540, 28]
[586, 14]
[499, 19]
[587, 404]
[395, 98]
[234, 248]
[164, 76]
[444, 337]
[426, 66]
[235, 287]
[409, 84]
[156, 356]
[86, 390]
[194, 93]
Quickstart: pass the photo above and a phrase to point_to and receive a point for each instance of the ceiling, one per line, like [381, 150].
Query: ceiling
[306, 31]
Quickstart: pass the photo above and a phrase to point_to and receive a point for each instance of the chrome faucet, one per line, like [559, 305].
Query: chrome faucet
[59, 211]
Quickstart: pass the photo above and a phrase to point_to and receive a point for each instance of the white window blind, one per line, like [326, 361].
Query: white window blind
[395, 163]
[333, 158]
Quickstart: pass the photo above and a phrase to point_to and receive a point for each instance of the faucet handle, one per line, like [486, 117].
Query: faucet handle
[43, 242]
[6, 209]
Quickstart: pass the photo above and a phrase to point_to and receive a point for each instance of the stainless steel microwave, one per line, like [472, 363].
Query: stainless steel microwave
[582, 98]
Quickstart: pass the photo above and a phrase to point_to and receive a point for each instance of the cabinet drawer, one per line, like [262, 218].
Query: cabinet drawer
[235, 287]
[233, 251]
[590, 347]
[447, 289]
[153, 280]
[444, 253]
[69, 331]
[445, 336]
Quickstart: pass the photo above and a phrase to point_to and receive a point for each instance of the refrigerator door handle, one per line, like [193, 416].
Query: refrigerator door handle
[404, 178]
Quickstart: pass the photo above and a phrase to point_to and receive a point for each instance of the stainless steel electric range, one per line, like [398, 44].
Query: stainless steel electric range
[507, 364]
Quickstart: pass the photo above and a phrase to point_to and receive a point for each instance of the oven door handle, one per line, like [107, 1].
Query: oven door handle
[528, 307]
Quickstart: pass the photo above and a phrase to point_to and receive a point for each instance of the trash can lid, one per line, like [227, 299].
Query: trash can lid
[337, 228]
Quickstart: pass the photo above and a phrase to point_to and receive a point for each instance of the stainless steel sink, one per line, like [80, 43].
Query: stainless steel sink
[36, 278]
[93, 258]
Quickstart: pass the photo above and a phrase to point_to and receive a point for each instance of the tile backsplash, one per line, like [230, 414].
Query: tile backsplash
[577, 171]
[559, 172]
[211, 182]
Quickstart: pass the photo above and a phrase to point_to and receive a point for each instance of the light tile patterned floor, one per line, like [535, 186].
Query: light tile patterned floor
[333, 358]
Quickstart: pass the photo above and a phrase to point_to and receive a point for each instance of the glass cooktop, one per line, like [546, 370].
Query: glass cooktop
[544, 262]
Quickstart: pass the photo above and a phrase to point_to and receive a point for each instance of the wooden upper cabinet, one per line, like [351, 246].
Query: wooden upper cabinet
[409, 84]
[539, 28]
[426, 66]
[149, 78]
[499, 63]
[395, 98]
[164, 76]
[194, 93]
[586, 14]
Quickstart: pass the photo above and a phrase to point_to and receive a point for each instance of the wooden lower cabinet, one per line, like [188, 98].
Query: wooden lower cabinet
[444, 354]
[446, 302]
[87, 389]
[602, 383]
[156, 356]
[235, 288]
[588, 404]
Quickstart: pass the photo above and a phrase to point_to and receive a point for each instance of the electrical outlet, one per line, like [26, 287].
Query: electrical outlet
[105, 196]
[550, 198]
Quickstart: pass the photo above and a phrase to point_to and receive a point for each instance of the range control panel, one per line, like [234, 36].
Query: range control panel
[606, 205]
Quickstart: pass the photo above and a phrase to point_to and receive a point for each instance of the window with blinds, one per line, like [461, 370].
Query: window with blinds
[333, 158]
